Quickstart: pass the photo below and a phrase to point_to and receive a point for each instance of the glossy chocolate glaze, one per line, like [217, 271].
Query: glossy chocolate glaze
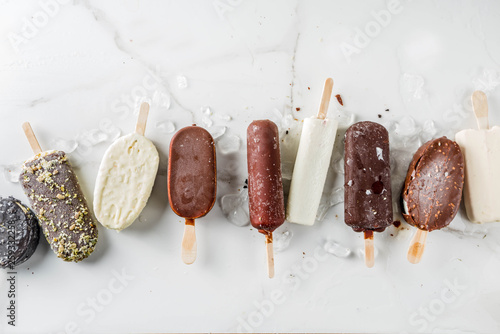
[433, 186]
[192, 172]
[265, 187]
[367, 196]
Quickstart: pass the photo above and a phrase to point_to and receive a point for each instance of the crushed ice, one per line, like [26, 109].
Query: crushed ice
[166, 126]
[228, 144]
[235, 208]
[12, 172]
[281, 238]
[335, 248]
[182, 82]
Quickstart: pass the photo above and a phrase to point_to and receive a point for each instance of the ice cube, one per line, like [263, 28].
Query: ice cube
[345, 118]
[281, 239]
[161, 100]
[94, 136]
[182, 82]
[327, 201]
[412, 86]
[166, 126]
[12, 172]
[487, 81]
[67, 146]
[206, 110]
[429, 130]
[207, 122]
[229, 144]
[336, 249]
[235, 208]
[406, 127]
[217, 131]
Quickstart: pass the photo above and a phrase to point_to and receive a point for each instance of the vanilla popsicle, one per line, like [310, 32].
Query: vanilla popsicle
[481, 150]
[125, 180]
[311, 165]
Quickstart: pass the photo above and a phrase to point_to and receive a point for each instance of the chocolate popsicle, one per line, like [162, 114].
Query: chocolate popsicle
[265, 187]
[433, 190]
[55, 195]
[19, 233]
[367, 197]
[192, 181]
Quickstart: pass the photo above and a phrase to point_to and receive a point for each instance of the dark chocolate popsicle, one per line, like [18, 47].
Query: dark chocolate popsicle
[19, 233]
[192, 181]
[265, 187]
[367, 197]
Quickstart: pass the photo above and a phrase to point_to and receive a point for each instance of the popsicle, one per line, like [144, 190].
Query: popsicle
[192, 181]
[432, 191]
[481, 149]
[265, 187]
[367, 194]
[312, 162]
[126, 177]
[19, 233]
[55, 196]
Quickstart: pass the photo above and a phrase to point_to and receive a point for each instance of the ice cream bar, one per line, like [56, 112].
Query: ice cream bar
[192, 181]
[311, 165]
[481, 149]
[433, 187]
[192, 172]
[55, 195]
[19, 233]
[367, 197]
[265, 188]
[125, 180]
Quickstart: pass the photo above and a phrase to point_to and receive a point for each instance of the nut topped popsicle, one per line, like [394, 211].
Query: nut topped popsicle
[432, 191]
[265, 187]
[367, 194]
[192, 181]
[56, 198]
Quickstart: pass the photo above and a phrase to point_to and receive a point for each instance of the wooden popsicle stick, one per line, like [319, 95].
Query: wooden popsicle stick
[189, 247]
[369, 249]
[417, 246]
[140, 127]
[28, 131]
[270, 255]
[480, 107]
[325, 99]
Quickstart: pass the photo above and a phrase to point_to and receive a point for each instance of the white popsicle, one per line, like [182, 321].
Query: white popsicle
[481, 150]
[125, 179]
[311, 165]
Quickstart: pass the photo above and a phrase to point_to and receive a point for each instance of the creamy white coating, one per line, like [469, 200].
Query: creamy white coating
[481, 150]
[310, 170]
[125, 180]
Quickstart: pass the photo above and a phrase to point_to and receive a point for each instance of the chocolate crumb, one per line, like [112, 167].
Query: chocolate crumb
[298, 109]
[379, 116]
[339, 99]
[396, 223]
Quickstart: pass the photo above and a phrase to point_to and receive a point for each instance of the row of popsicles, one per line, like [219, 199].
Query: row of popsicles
[431, 195]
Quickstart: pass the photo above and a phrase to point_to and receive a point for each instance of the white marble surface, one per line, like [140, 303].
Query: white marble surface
[79, 74]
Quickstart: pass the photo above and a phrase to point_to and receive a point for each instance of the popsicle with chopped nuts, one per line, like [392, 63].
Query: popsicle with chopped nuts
[56, 198]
